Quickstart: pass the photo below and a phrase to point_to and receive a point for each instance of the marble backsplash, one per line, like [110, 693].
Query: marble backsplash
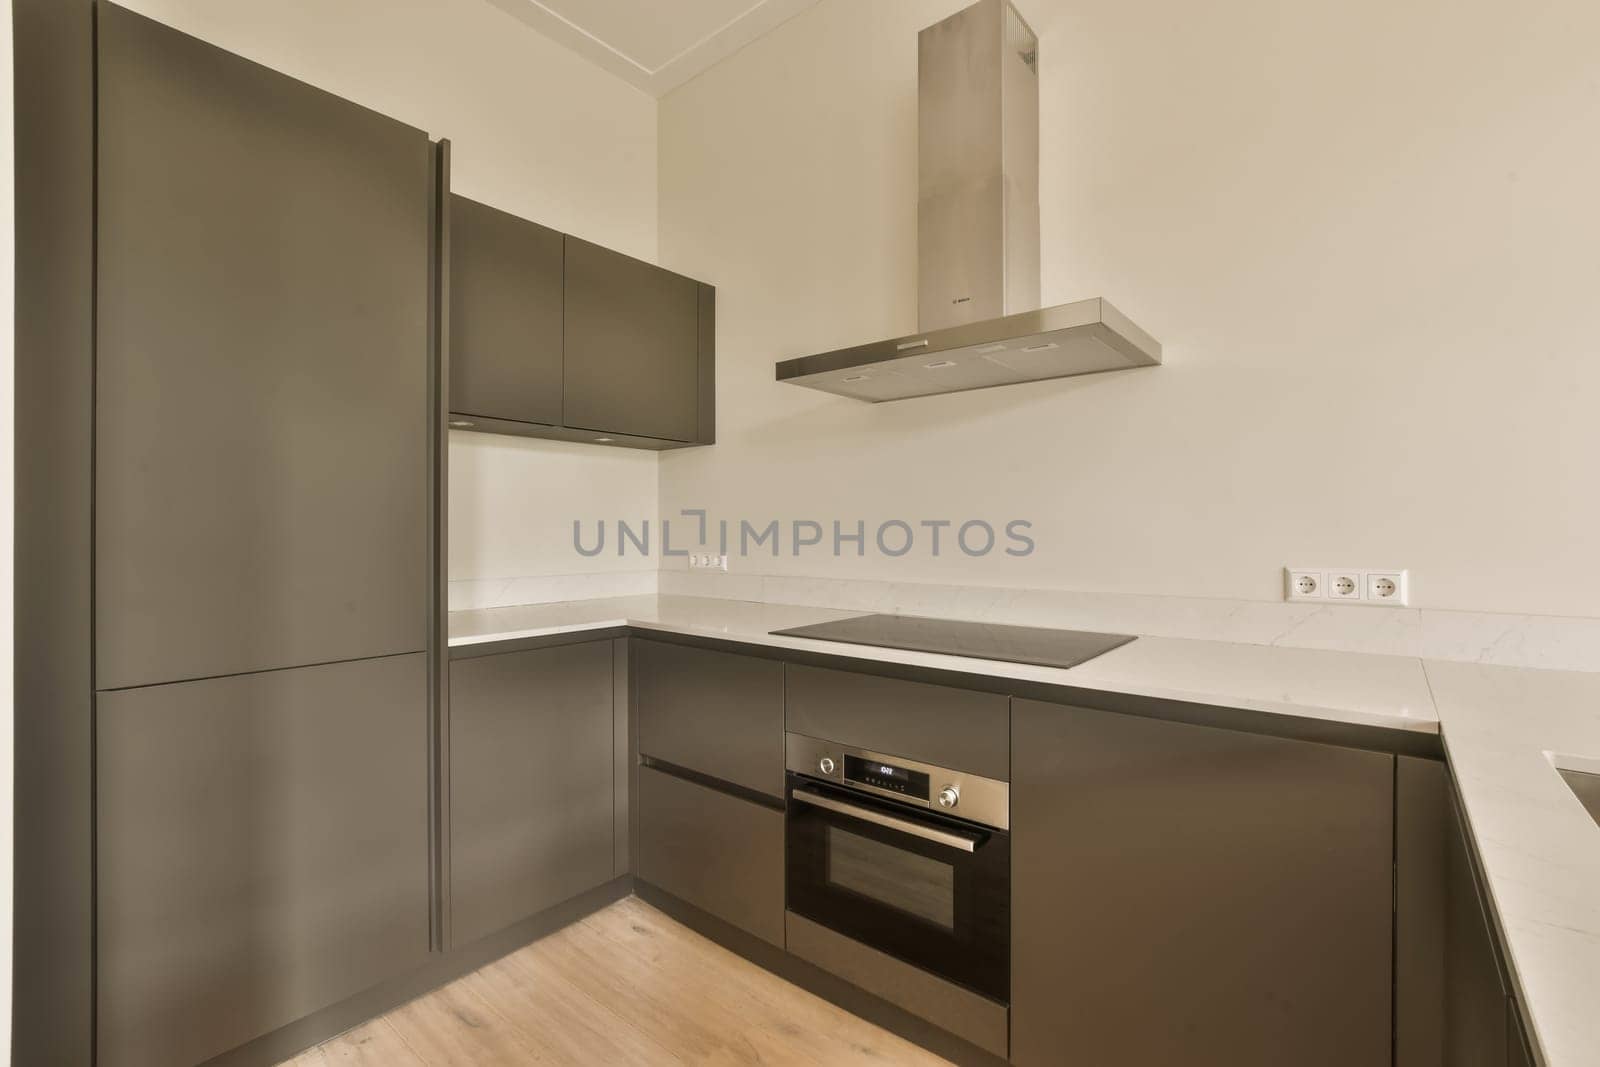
[1552, 642]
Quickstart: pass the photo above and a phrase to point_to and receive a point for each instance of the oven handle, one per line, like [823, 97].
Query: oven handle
[906, 826]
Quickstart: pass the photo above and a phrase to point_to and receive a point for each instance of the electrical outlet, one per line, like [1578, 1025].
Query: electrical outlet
[700, 561]
[1386, 587]
[1300, 584]
[1344, 584]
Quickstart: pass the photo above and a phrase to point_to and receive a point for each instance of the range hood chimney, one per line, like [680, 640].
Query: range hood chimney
[978, 236]
[977, 167]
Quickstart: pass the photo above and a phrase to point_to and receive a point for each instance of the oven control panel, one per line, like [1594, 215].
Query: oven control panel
[983, 800]
[890, 777]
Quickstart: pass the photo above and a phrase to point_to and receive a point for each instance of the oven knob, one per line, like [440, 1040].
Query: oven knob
[826, 765]
[949, 796]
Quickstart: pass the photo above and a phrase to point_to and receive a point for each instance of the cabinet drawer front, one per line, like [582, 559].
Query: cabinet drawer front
[720, 853]
[531, 799]
[955, 728]
[717, 713]
[262, 852]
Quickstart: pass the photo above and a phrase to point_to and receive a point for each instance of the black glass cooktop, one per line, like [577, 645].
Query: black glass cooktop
[952, 637]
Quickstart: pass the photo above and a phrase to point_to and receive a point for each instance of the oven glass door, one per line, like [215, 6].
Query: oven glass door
[925, 888]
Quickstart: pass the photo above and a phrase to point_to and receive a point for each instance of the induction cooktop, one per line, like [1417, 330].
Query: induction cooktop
[952, 637]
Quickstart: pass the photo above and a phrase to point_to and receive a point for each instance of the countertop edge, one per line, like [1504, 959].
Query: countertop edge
[993, 669]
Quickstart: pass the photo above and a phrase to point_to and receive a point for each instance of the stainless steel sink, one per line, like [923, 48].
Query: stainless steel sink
[1585, 785]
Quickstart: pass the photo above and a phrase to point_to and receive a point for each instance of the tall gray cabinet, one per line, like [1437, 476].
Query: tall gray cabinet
[261, 550]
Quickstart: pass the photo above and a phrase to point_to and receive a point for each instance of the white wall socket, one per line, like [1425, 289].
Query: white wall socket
[1301, 583]
[1347, 585]
[1387, 587]
[1344, 584]
[700, 561]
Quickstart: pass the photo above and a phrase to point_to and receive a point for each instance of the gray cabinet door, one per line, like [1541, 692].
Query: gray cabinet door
[1185, 894]
[1476, 1004]
[957, 728]
[262, 852]
[531, 766]
[505, 315]
[721, 853]
[1422, 829]
[632, 346]
[717, 713]
[1518, 1052]
[261, 495]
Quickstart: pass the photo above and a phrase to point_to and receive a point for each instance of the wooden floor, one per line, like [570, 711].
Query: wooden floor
[625, 985]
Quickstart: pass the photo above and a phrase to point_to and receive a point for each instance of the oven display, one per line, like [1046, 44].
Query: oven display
[900, 780]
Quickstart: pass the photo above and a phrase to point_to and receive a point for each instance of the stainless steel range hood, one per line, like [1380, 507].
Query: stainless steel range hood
[1085, 337]
[978, 236]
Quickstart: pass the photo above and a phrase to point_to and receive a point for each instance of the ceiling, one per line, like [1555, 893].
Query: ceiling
[656, 45]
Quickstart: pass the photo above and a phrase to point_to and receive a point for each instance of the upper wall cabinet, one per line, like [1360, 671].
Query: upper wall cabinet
[505, 315]
[552, 336]
[633, 340]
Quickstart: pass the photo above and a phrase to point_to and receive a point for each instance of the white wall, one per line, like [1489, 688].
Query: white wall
[1365, 232]
[534, 130]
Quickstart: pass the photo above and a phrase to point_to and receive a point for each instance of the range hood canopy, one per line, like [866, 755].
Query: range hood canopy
[1055, 342]
[978, 236]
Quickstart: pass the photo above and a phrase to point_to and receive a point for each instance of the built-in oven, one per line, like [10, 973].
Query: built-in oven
[908, 858]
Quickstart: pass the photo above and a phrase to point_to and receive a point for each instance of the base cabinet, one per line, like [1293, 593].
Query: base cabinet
[719, 852]
[1194, 895]
[1477, 1006]
[1518, 1051]
[531, 798]
[262, 852]
[1422, 828]
[715, 713]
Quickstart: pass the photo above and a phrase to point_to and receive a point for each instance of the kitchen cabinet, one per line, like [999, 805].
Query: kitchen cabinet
[721, 853]
[1188, 894]
[633, 347]
[938, 724]
[1453, 1001]
[262, 507]
[262, 367]
[1422, 826]
[1477, 1004]
[716, 713]
[261, 852]
[531, 777]
[552, 336]
[505, 316]
[1518, 1051]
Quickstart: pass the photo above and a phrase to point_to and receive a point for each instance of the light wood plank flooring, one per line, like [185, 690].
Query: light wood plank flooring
[627, 985]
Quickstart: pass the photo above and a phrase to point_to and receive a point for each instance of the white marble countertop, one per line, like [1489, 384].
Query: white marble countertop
[1349, 687]
[1540, 851]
